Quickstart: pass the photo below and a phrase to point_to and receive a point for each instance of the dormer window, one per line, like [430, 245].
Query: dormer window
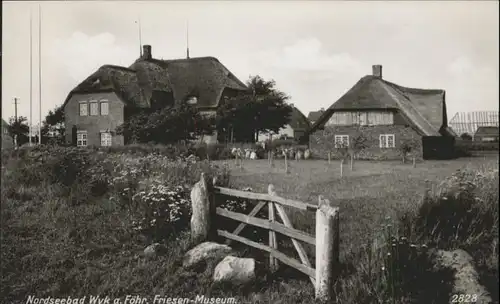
[192, 100]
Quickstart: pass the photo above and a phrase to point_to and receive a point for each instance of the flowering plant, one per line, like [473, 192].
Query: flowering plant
[164, 209]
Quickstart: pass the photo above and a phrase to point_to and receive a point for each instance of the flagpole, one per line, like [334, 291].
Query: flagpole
[140, 35]
[40, 71]
[187, 39]
[31, 76]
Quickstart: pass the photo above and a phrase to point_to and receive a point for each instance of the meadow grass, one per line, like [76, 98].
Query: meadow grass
[377, 195]
[76, 239]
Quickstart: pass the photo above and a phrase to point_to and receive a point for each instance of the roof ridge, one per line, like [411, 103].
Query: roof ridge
[402, 108]
[189, 59]
[413, 90]
[117, 67]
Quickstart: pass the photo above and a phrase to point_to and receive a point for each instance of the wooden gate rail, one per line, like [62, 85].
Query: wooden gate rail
[265, 197]
[326, 241]
[269, 225]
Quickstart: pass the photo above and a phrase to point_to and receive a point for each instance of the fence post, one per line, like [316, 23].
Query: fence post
[286, 163]
[352, 161]
[327, 249]
[329, 158]
[414, 162]
[341, 167]
[273, 243]
[202, 210]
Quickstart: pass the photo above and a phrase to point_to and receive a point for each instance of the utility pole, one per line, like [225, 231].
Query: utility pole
[15, 108]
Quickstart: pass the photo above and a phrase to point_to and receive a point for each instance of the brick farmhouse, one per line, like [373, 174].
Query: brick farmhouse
[385, 115]
[97, 106]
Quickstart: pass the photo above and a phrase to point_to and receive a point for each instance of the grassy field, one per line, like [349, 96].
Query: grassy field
[70, 225]
[367, 195]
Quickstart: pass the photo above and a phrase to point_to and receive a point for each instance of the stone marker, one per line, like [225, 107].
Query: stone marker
[237, 271]
[206, 251]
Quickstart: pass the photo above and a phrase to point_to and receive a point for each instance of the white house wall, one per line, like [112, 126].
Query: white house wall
[287, 130]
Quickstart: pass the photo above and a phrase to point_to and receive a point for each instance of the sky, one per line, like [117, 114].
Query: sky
[315, 51]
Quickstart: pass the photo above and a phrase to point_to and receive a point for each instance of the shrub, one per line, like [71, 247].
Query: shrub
[165, 210]
[463, 211]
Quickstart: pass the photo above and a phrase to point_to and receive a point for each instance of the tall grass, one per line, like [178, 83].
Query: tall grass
[75, 222]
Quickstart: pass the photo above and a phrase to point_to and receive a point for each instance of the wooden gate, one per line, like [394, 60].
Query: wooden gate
[326, 240]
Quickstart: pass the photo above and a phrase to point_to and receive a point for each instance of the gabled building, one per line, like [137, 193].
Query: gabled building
[297, 128]
[97, 106]
[386, 115]
[313, 116]
[486, 133]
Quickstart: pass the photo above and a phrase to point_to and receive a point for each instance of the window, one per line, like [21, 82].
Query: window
[387, 141]
[105, 139]
[94, 108]
[104, 107]
[341, 141]
[83, 109]
[81, 138]
[192, 100]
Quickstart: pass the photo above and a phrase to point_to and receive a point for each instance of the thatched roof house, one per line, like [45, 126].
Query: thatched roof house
[424, 109]
[388, 115]
[97, 106]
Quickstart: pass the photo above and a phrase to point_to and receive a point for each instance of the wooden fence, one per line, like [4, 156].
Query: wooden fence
[326, 240]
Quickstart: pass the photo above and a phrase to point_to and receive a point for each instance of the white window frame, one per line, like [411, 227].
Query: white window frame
[341, 138]
[384, 141]
[106, 138]
[85, 106]
[81, 138]
[104, 101]
[91, 103]
[192, 100]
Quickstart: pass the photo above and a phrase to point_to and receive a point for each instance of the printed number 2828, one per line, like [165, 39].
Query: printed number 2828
[464, 298]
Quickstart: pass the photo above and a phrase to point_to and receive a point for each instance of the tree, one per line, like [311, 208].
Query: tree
[262, 108]
[53, 128]
[19, 129]
[406, 147]
[358, 143]
[166, 125]
[466, 136]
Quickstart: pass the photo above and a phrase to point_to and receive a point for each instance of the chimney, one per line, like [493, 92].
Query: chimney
[146, 52]
[322, 109]
[377, 70]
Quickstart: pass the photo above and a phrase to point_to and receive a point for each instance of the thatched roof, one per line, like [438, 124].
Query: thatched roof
[298, 121]
[426, 109]
[315, 115]
[487, 131]
[203, 77]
